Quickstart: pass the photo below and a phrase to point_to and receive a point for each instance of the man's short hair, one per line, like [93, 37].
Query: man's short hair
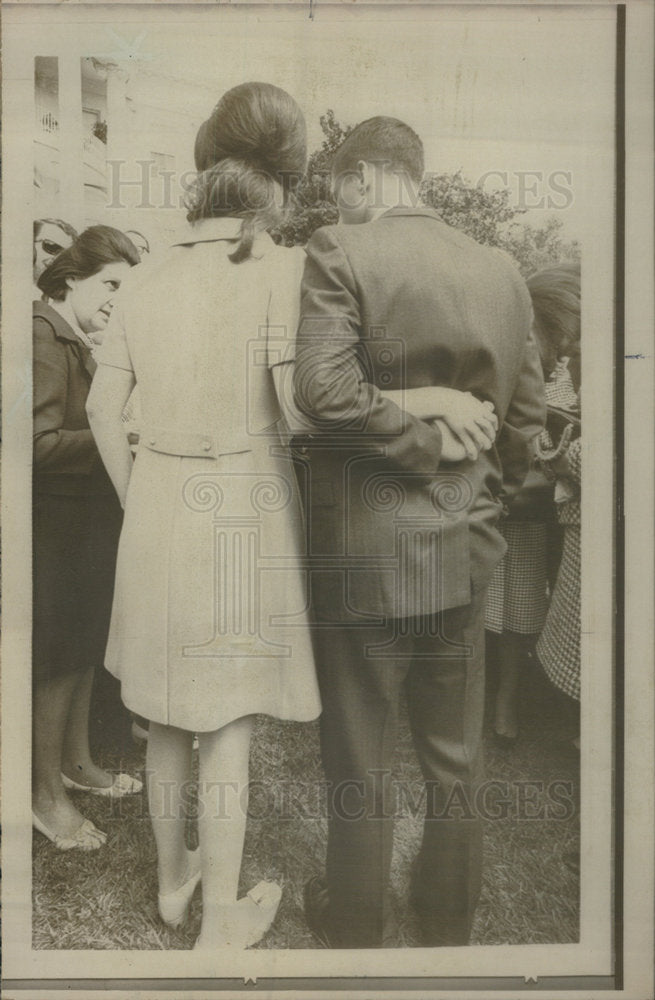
[379, 140]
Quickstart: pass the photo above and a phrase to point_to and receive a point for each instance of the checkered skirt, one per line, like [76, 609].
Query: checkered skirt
[558, 647]
[517, 598]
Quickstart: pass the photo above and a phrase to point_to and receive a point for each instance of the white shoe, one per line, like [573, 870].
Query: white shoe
[174, 906]
[246, 921]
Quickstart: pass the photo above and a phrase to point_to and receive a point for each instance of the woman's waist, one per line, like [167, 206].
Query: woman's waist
[205, 441]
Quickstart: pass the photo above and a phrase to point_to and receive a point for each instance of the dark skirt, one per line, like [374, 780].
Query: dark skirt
[75, 540]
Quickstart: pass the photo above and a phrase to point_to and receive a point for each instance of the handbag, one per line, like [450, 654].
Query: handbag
[558, 420]
[535, 499]
[562, 427]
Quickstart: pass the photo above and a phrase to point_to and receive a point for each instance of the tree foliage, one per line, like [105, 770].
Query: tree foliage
[486, 216]
[478, 213]
[534, 247]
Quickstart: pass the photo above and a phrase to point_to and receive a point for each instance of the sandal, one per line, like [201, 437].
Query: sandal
[123, 784]
[87, 836]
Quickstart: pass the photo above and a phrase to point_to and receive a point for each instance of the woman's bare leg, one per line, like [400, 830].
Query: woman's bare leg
[222, 812]
[50, 710]
[168, 774]
[76, 761]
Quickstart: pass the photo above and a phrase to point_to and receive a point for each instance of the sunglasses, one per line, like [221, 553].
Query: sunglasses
[50, 248]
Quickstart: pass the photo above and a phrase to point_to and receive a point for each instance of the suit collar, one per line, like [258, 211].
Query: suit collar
[418, 210]
[212, 230]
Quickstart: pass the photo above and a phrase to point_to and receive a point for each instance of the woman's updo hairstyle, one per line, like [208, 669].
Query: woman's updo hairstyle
[250, 154]
[88, 254]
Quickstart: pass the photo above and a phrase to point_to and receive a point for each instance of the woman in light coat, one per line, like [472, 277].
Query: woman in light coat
[209, 623]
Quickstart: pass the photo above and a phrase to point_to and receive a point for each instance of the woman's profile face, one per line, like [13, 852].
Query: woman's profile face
[92, 299]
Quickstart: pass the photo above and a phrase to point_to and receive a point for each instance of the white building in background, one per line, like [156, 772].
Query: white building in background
[113, 142]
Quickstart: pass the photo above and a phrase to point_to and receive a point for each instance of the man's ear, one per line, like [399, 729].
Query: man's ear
[365, 174]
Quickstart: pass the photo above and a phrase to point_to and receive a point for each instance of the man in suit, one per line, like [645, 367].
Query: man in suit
[401, 539]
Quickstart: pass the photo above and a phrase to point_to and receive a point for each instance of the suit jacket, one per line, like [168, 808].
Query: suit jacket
[66, 459]
[402, 302]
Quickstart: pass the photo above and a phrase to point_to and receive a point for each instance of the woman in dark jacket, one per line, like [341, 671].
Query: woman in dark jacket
[76, 524]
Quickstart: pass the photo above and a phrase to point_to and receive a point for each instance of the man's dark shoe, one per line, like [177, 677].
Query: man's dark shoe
[315, 899]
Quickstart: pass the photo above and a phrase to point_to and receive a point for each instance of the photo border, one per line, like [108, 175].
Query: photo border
[615, 982]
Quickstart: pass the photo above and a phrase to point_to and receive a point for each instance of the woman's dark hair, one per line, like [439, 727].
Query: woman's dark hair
[555, 293]
[95, 247]
[250, 154]
[381, 140]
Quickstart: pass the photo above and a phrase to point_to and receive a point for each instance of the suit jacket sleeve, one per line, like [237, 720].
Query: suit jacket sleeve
[329, 382]
[56, 448]
[524, 420]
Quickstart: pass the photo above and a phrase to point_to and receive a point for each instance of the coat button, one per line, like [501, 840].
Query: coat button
[206, 445]
[152, 441]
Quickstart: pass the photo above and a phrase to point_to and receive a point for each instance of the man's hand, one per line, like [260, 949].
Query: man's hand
[471, 427]
[473, 423]
[452, 449]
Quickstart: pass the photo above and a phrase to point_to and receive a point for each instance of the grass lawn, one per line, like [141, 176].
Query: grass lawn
[107, 898]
